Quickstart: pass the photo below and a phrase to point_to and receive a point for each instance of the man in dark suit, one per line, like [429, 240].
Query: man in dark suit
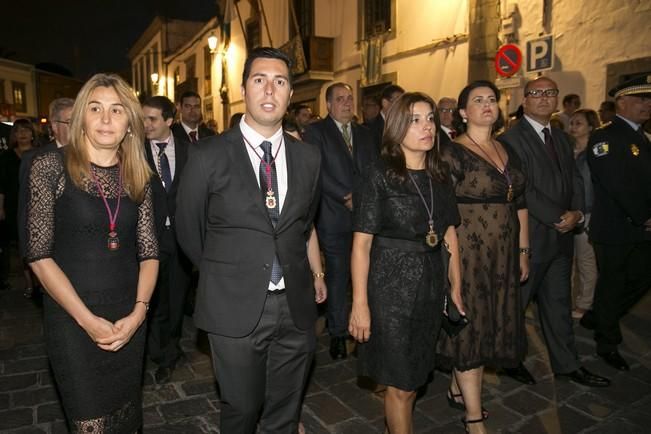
[60, 113]
[167, 154]
[555, 199]
[189, 125]
[619, 155]
[246, 204]
[446, 108]
[346, 149]
[389, 94]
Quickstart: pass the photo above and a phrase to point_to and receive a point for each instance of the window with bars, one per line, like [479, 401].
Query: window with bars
[20, 97]
[304, 11]
[377, 17]
[253, 33]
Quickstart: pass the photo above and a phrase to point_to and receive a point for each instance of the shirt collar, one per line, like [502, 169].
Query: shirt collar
[631, 123]
[255, 139]
[537, 125]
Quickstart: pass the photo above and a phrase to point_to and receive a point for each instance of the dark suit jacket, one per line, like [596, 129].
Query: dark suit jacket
[340, 171]
[225, 229]
[204, 132]
[622, 184]
[550, 191]
[164, 201]
[23, 191]
[376, 126]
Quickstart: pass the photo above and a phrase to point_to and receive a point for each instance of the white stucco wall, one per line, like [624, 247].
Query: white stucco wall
[589, 35]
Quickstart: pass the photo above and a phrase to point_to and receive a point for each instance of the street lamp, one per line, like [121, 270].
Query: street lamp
[154, 78]
[212, 43]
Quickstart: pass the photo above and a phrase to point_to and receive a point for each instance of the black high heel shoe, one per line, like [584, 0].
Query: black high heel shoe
[453, 403]
[469, 422]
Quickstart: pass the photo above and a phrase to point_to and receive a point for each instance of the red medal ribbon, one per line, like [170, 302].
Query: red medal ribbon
[267, 166]
[113, 217]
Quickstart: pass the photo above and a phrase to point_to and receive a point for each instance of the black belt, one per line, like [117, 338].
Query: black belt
[275, 291]
[405, 245]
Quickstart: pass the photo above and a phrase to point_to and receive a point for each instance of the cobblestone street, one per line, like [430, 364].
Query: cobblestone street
[335, 402]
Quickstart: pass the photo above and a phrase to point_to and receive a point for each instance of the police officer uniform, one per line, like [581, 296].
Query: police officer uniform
[619, 155]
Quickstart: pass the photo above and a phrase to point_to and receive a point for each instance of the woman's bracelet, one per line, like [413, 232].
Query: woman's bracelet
[318, 275]
[146, 303]
[525, 251]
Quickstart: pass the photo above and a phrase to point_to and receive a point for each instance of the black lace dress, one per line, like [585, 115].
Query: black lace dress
[490, 265]
[405, 279]
[100, 390]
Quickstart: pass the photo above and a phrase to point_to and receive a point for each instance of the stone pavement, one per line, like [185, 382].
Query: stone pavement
[334, 402]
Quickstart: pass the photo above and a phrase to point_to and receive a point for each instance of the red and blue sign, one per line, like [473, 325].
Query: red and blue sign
[508, 60]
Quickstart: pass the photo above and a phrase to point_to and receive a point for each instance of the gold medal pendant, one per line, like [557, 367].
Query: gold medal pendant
[270, 201]
[431, 239]
[509, 194]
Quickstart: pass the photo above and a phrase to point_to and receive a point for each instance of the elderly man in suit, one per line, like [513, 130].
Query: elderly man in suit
[555, 198]
[346, 150]
[166, 153]
[246, 205]
[189, 126]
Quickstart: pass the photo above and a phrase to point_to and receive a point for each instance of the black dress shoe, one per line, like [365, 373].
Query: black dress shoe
[585, 377]
[615, 360]
[163, 375]
[338, 348]
[520, 374]
[587, 320]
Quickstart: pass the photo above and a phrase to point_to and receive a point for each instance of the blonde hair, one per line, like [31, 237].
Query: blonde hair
[134, 167]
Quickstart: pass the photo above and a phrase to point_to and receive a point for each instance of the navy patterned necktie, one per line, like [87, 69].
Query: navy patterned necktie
[164, 166]
[274, 212]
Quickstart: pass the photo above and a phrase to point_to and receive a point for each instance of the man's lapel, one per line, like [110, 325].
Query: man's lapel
[537, 146]
[293, 164]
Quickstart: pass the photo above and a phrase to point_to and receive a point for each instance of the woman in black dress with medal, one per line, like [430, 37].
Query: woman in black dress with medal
[404, 211]
[494, 247]
[92, 243]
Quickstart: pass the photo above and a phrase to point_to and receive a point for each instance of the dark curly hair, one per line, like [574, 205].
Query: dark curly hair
[457, 120]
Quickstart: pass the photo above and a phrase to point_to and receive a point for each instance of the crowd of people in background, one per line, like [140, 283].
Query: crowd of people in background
[434, 216]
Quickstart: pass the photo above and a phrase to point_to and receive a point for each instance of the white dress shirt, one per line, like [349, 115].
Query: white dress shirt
[256, 154]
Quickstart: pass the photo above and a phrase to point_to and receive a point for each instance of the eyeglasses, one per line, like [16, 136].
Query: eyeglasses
[538, 93]
[446, 110]
[62, 122]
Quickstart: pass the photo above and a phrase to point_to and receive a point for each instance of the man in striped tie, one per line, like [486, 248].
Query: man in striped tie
[167, 153]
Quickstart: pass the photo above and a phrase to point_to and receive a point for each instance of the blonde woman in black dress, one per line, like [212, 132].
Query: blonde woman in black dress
[404, 211]
[91, 241]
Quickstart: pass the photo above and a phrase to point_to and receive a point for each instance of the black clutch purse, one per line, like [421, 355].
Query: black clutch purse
[453, 321]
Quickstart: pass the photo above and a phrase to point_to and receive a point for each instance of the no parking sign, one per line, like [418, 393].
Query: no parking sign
[508, 60]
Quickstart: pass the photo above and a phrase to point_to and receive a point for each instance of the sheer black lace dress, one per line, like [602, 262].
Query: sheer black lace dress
[490, 262]
[100, 390]
[405, 279]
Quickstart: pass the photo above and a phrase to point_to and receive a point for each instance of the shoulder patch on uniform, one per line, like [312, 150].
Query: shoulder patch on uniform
[600, 149]
[604, 125]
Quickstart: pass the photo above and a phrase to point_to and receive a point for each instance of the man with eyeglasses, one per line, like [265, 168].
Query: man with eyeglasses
[60, 111]
[446, 108]
[555, 198]
[619, 155]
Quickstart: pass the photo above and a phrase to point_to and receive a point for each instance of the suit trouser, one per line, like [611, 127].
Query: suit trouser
[168, 302]
[586, 268]
[264, 371]
[336, 249]
[624, 278]
[550, 283]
